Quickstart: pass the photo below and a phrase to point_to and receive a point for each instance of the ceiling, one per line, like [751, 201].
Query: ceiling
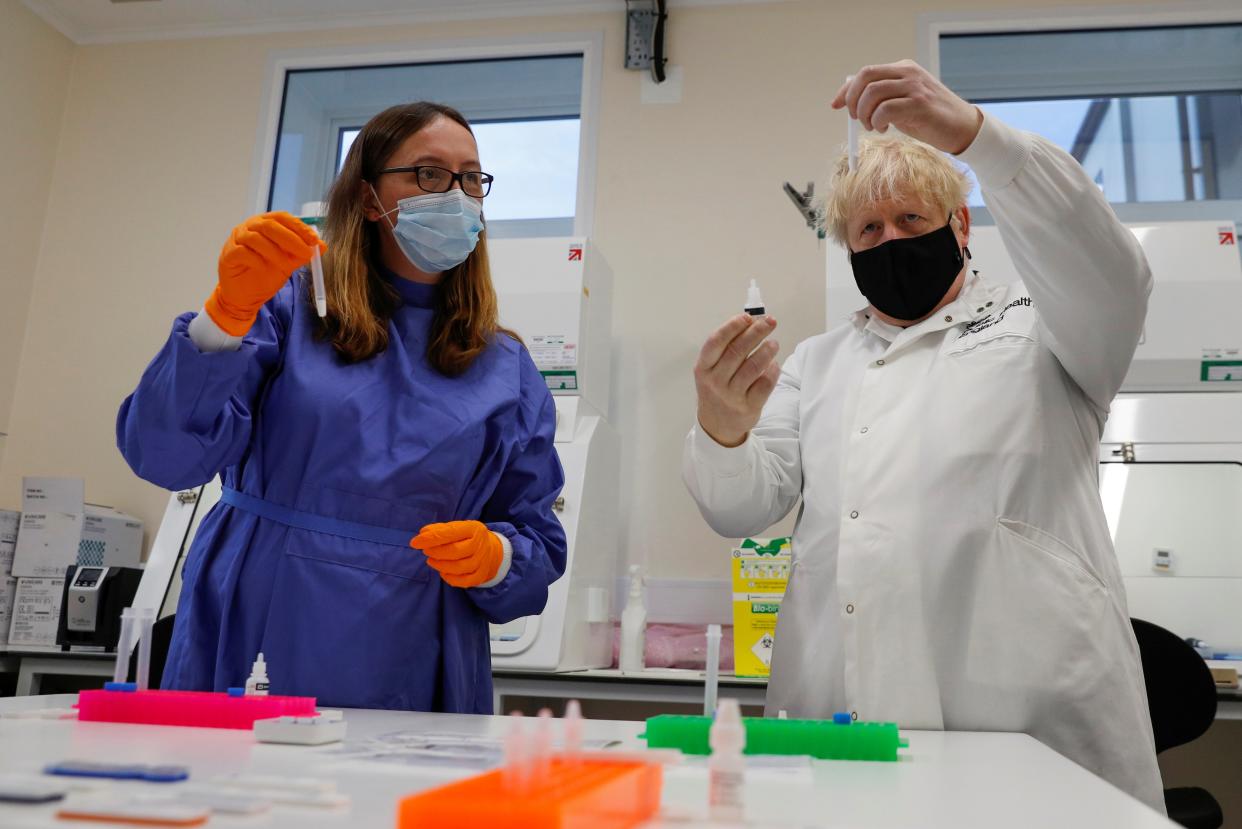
[114, 21]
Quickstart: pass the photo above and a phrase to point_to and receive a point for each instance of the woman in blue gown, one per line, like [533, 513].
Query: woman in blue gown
[389, 470]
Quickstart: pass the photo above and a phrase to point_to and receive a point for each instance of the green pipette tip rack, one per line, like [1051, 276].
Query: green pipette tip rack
[822, 739]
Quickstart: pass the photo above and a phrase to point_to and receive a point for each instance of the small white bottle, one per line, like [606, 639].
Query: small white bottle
[257, 684]
[754, 302]
[726, 767]
[634, 624]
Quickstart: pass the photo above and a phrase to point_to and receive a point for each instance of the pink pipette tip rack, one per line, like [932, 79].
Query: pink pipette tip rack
[200, 709]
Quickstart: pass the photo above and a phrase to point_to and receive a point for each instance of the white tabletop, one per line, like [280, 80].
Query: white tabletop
[958, 780]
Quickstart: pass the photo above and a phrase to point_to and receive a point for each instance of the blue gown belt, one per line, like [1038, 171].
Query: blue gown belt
[315, 523]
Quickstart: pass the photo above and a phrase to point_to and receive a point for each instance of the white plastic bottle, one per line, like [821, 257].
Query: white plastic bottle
[754, 300]
[726, 767]
[634, 624]
[257, 684]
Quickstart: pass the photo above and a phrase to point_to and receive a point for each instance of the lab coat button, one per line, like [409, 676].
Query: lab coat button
[854, 716]
[864, 430]
[849, 608]
[948, 319]
[879, 362]
[854, 514]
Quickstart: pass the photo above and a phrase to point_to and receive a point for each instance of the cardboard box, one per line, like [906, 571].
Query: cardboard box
[9, 520]
[110, 539]
[36, 613]
[49, 542]
[760, 576]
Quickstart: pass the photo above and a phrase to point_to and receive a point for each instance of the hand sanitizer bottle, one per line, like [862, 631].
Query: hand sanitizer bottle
[634, 624]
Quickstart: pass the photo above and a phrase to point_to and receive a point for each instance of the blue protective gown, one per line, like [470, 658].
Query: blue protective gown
[387, 442]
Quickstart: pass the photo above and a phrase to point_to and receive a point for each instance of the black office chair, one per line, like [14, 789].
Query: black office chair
[161, 638]
[1181, 696]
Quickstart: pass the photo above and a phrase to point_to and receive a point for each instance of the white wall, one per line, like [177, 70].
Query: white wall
[35, 62]
[154, 168]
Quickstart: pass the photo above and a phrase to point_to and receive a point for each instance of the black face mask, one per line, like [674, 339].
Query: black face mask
[907, 278]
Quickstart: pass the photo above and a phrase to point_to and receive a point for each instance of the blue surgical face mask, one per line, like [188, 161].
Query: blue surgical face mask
[437, 231]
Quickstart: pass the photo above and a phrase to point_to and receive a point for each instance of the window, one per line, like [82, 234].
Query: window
[1153, 114]
[535, 163]
[525, 113]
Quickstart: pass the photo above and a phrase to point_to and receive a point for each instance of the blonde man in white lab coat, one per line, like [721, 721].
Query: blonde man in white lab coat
[952, 564]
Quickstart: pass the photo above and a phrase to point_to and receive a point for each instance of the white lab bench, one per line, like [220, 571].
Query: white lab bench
[958, 780]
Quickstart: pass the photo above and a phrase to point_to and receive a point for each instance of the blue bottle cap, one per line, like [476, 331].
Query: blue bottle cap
[842, 718]
[120, 686]
[237, 692]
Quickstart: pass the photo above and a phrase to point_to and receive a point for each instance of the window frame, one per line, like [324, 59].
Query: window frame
[933, 26]
[590, 44]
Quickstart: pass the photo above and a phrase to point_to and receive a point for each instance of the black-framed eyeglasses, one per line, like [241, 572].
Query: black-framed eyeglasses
[439, 180]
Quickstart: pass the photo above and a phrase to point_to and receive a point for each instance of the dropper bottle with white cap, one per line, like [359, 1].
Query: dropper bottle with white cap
[257, 684]
[726, 767]
[754, 302]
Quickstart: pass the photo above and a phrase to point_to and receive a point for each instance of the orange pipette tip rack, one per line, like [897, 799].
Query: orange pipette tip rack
[563, 793]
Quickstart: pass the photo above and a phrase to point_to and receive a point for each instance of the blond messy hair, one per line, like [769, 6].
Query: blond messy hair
[892, 166]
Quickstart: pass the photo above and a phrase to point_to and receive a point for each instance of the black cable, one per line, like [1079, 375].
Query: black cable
[657, 42]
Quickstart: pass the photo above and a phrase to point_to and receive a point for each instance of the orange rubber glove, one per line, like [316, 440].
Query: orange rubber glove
[465, 553]
[255, 263]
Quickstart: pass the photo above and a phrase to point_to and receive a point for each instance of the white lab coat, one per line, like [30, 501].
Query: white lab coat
[952, 565]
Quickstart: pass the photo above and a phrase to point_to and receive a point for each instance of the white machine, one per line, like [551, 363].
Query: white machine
[556, 294]
[1171, 454]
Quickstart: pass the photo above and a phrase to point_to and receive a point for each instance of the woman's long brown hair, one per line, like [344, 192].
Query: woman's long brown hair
[360, 303]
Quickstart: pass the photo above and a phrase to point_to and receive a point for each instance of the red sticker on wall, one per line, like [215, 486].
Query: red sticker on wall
[575, 253]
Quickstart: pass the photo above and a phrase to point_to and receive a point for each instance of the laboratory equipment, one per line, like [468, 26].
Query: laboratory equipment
[312, 214]
[573, 727]
[563, 791]
[321, 294]
[306, 731]
[134, 811]
[557, 294]
[852, 142]
[190, 708]
[91, 604]
[124, 645]
[822, 739]
[257, 684]
[754, 301]
[805, 204]
[712, 682]
[119, 771]
[726, 769]
[146, 622]
[20, 788]
[634, 624]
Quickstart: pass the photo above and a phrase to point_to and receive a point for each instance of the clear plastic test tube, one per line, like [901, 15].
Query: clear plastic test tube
[712, 683]
[321, 294]
[146, 621]
[853, 143]
[129, 617]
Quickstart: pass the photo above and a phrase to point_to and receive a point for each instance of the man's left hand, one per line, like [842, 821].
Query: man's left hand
[906, 96]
